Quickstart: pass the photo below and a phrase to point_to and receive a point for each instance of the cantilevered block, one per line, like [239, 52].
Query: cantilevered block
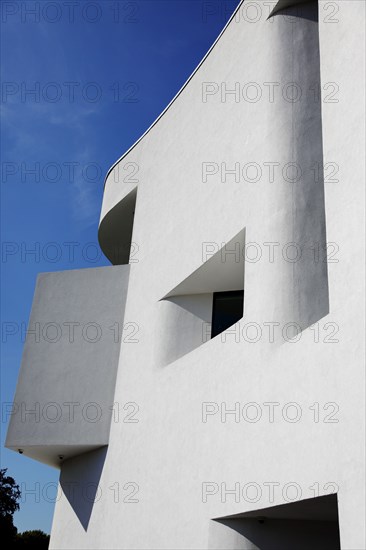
[65, 392]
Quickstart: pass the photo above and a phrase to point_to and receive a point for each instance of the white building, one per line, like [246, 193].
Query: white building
[215, 399]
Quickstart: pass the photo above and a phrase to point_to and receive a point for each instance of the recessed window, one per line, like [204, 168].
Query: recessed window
[227, 309]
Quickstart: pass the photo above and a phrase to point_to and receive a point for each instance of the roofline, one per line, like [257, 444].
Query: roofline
[177, 94]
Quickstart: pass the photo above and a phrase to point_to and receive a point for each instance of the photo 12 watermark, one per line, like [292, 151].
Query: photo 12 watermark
[68, 92]
[271, 412]
[71, 11]
[253, 492]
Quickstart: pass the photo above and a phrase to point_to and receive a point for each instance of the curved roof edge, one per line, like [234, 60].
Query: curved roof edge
[177, 94]
[280, 4]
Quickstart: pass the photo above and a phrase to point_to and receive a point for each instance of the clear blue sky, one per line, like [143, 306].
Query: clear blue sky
[101, 76]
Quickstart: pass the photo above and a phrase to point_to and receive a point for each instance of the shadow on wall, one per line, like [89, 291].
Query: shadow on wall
[79, 481]
[304, 525]
[115, 230]
[311, 295]
[186, 322]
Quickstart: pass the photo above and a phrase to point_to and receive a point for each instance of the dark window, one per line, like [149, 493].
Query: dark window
[227, 309]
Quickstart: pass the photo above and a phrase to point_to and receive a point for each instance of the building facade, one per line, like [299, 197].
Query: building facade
[216, 399]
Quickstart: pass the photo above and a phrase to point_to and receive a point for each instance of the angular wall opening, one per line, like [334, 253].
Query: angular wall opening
[204, 304]
[301, 525]
[115, 230]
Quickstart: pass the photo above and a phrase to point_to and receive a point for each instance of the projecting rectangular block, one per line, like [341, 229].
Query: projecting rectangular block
[64, 397]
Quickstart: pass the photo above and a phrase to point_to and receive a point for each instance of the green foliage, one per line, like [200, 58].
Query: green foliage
[8, 530]
[32, 540]
[9, 494]
[10, 538]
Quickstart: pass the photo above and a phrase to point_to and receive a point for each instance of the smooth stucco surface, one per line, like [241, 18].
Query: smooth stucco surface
[168, 455]
[69, 364]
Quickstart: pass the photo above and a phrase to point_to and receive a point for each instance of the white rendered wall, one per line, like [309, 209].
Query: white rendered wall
[170, 452]
[63, 401]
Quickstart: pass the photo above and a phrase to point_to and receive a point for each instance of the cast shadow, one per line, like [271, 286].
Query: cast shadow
[79, 481]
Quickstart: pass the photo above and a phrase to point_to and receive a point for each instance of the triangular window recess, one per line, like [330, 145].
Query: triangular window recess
[206, 303]
[221, 272]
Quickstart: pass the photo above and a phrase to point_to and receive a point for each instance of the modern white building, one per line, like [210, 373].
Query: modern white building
[208, 389]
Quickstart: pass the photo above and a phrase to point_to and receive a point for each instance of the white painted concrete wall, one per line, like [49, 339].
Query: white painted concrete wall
[170, 452]
[64, 398]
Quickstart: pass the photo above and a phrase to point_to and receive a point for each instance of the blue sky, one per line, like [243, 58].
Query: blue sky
[100, 76]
